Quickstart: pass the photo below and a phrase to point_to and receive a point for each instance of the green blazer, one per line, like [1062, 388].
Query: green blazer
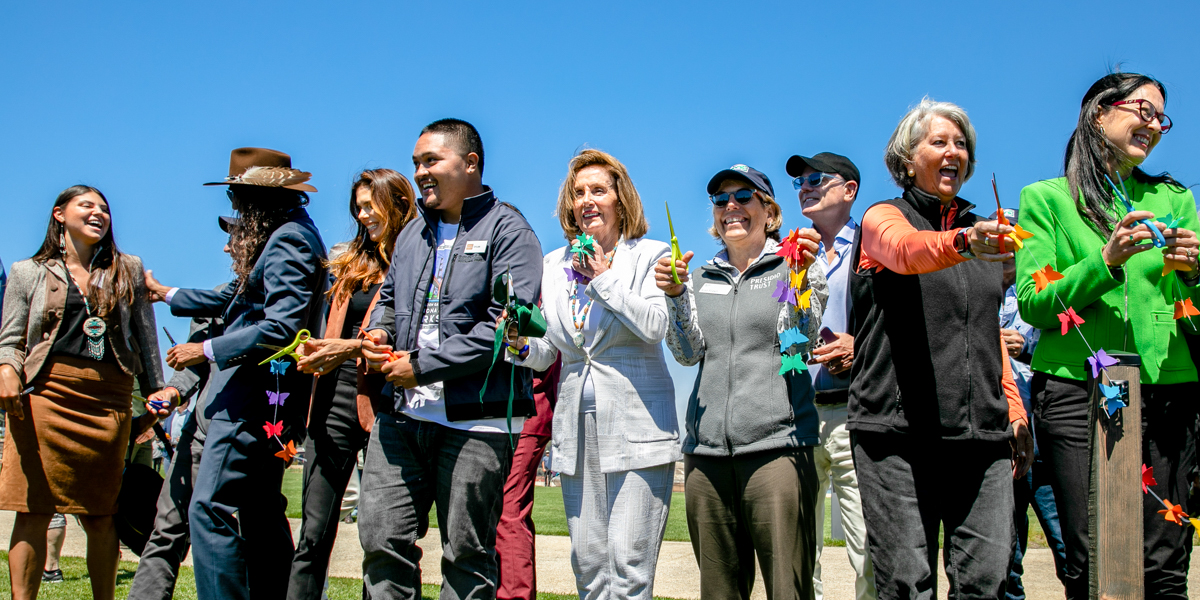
[1062, 239]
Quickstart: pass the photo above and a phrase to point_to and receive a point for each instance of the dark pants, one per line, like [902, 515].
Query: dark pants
[410, 465]
[1034, 490]
[250, 555]
[331, 454]
[1168, 445]
[168, 544]
[757, 504]
[515, 534]
[910, 486]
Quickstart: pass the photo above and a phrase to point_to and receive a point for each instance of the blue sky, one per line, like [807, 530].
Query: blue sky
[144, 101]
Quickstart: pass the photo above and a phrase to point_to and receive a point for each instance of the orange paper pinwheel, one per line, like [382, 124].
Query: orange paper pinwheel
[1174, 513]
[288, 452]
[1018, 235]
[1045, 277]
[1184, 308]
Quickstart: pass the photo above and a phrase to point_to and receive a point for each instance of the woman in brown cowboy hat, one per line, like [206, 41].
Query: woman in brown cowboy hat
[77, 331]
[341, 413]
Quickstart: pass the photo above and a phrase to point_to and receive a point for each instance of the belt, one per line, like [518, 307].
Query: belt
[832, 397]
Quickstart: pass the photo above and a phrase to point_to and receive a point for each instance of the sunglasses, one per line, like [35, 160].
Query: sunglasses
[813, 180]
[1148, 112]
[743, 197]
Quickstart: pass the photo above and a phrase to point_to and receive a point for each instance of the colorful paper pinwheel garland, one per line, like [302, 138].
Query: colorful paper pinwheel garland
[794, 291]
[1173, 512]
[276, 398]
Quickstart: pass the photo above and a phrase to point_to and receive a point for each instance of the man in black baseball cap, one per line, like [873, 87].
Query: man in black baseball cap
[827, 185]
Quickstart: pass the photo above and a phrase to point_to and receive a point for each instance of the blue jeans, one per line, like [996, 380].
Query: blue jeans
[1034, 490]
[410, 465]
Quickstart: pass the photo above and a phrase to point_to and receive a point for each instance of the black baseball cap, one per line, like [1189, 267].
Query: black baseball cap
[825, 162]
[750, 175]
[227, 224]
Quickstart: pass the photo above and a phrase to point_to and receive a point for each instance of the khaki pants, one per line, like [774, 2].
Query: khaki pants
[759, 504]
[835, 465]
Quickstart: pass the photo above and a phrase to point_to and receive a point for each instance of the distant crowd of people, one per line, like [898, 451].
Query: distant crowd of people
[909, 362]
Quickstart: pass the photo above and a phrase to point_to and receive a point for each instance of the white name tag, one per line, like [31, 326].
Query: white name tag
[478, 247]
[719, 289]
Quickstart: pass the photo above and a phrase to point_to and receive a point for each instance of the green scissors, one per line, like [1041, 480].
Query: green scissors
[289, 350]
[676, 255]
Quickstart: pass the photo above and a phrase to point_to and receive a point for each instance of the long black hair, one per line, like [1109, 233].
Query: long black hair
[1089, 153]
[115, 283]
[261, 210]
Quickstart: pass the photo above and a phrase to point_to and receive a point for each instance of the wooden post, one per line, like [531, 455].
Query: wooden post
[1115, 489]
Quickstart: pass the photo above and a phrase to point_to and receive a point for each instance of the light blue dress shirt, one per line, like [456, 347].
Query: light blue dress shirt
[837, 310]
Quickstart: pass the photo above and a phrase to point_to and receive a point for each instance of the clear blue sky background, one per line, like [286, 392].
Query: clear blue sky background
[144, 101]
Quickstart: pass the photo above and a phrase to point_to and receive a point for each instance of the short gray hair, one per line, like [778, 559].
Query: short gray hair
[912, 129]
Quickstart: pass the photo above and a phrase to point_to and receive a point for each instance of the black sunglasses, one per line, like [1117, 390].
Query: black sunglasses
[742, 196]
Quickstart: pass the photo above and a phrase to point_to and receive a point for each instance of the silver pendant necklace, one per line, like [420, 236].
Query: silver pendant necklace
[93, 327]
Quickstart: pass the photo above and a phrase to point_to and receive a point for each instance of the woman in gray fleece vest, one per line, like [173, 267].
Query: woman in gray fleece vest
[750, 480]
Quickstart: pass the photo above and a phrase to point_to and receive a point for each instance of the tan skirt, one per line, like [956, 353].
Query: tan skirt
[67, 454]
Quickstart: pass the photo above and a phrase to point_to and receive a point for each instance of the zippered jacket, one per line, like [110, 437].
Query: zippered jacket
[493, 238]
[730, 325]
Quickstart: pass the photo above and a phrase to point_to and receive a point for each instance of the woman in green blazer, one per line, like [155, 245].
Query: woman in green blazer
[1125, 296]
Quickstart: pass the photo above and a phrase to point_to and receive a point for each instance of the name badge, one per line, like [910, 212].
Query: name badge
[478, 247]
[719, 289]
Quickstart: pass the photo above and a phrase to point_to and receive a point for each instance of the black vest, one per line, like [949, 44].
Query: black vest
[928, 346]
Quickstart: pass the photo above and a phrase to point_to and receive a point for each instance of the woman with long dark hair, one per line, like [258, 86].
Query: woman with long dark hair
[341, 413]
[77, 330]
[1125, 296]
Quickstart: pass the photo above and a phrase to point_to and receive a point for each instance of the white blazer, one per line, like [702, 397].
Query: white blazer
[636, 422]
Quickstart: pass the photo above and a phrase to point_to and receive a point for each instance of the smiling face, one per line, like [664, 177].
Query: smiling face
[367, 216]
[85, 218]
[832, 196]
[739, 225]
[596, 203]
[1126, 130]
[940, 159]
[443, 175]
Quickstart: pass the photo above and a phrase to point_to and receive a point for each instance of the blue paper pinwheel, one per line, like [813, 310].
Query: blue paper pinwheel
[279, 366]
[1112, 401]
[792, 363]
[790, 338]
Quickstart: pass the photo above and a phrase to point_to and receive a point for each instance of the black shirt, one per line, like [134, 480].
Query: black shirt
[71, 341]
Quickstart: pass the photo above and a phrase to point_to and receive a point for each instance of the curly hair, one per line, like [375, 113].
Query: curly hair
[365, 261]
[261, 210]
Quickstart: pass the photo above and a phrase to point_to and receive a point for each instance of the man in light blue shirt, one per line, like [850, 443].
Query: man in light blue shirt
[827, 185]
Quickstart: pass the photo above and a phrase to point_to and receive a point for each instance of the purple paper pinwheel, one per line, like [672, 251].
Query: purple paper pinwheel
[276, 398]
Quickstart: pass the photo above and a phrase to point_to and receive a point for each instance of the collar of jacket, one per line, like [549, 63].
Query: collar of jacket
[768, 254]
[473, 209]
[930, 206]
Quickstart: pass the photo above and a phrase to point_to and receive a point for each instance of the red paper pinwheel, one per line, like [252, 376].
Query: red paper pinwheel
[288, 452]
[273, 429]
[1147, 479]
[1045, 277]
[1184, 308]
[790, 249]
[1068, 319]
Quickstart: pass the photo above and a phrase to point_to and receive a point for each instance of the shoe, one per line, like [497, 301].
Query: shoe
[54, 576]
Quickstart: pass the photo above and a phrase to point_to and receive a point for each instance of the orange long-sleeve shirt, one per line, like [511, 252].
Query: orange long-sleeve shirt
[890, 241]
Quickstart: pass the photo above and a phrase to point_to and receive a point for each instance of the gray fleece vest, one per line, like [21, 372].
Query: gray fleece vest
[741, 404]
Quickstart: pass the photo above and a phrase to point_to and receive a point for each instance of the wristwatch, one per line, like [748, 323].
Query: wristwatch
[960, 244]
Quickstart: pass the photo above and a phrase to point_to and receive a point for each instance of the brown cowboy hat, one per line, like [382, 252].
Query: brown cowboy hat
[263, 167]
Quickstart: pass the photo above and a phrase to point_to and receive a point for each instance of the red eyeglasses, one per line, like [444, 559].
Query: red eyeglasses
[1148, 112]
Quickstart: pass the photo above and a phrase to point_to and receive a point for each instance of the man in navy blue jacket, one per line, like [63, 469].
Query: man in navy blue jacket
[279, 259]
[447, 437]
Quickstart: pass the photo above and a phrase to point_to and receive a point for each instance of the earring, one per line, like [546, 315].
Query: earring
[62, 243]
[911, 173]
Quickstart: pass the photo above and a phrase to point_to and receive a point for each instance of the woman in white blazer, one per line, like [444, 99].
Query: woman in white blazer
[616, 435]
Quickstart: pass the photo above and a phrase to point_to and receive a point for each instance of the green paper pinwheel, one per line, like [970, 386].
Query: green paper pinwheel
[583, 246]
[528, 320]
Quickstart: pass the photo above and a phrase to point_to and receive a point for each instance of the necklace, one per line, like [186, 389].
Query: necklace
[578, 318]
[93, 327]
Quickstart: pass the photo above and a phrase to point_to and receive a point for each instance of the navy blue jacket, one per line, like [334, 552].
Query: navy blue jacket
[284, 294]
[468, 312]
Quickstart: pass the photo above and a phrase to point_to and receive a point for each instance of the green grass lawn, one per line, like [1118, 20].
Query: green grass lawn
[77, 586]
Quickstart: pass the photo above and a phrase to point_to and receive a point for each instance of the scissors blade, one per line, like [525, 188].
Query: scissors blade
[675, 253]
[1000, 218]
